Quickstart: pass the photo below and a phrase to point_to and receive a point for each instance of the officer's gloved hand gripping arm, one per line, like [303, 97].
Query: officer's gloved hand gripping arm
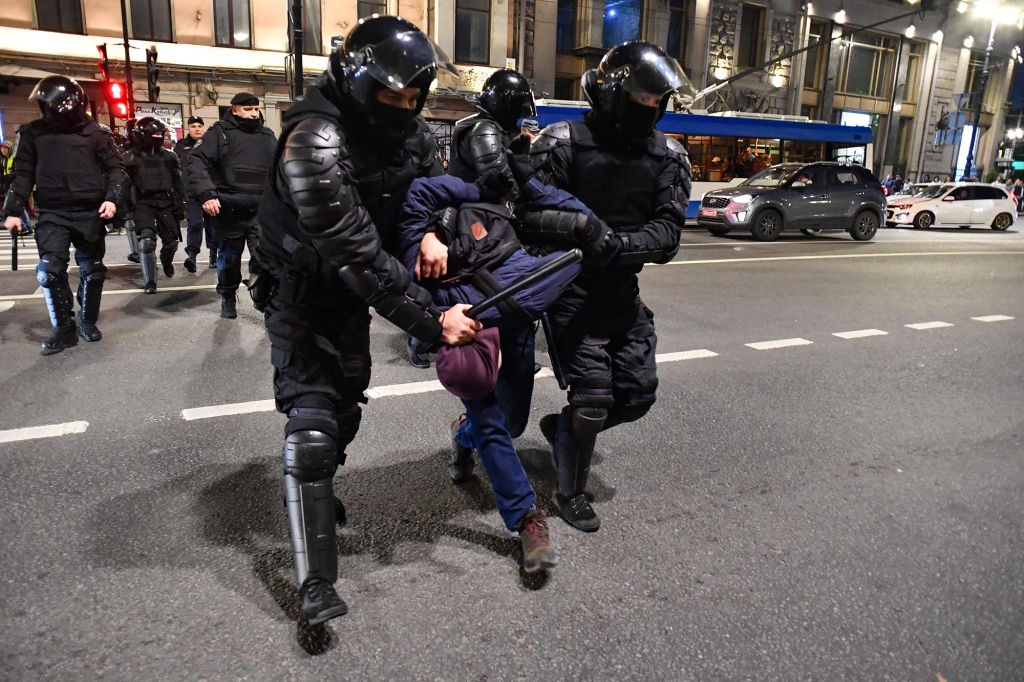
[316, 168]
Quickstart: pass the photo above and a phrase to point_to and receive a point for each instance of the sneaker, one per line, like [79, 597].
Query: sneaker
[460, 465]
[26, 232]
[320, 602]
[537, 552]
[417, 360]
[133, 258]
[577, 512]
[190, 263]
[87, 329]
[61, 338]
[227, 307]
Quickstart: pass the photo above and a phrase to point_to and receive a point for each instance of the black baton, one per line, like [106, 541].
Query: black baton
[556, 363]
[565, 260]
[14, 251]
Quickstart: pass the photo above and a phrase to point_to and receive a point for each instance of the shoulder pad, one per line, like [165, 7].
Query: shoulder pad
[554, 135]
[315, 132]
[675, 146]
[486, 126]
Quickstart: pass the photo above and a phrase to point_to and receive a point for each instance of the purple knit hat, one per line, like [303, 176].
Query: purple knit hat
[470, 371]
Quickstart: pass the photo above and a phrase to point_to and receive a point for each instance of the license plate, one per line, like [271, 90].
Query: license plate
[709, 214]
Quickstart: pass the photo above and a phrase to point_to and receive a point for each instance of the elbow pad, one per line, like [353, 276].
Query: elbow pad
[552, 228]
[411, 310]
[631, 255]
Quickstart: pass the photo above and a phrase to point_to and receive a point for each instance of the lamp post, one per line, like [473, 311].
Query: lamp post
[1004, 14]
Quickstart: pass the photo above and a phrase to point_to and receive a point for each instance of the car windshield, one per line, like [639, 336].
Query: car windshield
[770, 177]
[931, 191]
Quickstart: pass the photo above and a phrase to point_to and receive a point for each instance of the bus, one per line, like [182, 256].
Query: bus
[728, 147]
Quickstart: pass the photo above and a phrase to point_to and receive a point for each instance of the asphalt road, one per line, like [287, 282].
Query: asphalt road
[825, 509]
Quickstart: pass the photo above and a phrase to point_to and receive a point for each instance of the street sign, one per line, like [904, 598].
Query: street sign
[336, 41]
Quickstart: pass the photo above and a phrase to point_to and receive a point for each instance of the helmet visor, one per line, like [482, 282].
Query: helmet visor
[399, 60]
[651, 79]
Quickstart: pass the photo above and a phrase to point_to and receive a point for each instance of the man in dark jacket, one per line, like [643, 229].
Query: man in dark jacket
[350, 149]
[227, 173]
[637, 183]
[78, 175]
[198, 220]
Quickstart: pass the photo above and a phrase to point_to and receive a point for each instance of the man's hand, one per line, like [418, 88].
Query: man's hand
[432, 263]
[458, 329]
[212, 206]
[13, 223]
[107, 210]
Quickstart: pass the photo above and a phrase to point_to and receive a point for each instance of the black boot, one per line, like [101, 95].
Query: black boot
[168, 264]
[61, 338]
[320, 602]
[190, 262]
[58, 303]
[227, 306]
[90, 289]
[574, 449]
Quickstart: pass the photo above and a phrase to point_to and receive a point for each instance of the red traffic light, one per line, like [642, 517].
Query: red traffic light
[116, 91]
[121, 109]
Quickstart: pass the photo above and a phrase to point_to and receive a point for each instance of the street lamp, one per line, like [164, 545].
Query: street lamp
[1000, 14]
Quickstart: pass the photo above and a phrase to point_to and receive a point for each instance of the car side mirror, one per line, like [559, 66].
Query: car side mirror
[798, 185]
[949, 198]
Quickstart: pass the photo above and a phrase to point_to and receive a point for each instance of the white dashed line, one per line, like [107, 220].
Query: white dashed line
[781, 343]
[226, 410]
[685, 355]
[860, 333]
[992, 318]
[49, 431]
[6, 305]
[920, 326]
[718, 261]
[118, 292]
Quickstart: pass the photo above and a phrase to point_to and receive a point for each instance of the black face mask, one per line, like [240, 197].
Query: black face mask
[389, 125]
[250, 125]
[637, 121]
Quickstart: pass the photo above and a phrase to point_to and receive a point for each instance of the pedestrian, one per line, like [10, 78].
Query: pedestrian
[353, 144]
[948, 179]
[897, 184]
[77, 176]
[227, 173]
[6, 178]
[636, 181]
[199, 221]
[530, 128]
[158, 205]
[1018, 192]
[887, 184]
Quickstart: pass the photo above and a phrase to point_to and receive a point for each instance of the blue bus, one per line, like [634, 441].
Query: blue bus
[726, 148]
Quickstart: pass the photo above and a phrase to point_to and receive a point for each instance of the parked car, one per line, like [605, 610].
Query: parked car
[798, 196]
[961, 204]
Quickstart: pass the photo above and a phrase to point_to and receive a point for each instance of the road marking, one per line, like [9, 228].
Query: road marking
[992, 318]
[716, 261]
[781, 343]
[860, 333]
[226, 410]
[928, 325]
[6, 305]
[405, 389]
[50, 431]
[685, 355]
[119, 292]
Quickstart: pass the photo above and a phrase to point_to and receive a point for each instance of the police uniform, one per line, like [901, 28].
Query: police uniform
[199, 222]
[158, 207]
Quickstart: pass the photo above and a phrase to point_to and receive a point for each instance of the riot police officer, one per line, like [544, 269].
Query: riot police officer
[479, 141]
[158, 193]
[350, 149]
[637, 182]
[227, 171]
[198, 220]
[78, 176]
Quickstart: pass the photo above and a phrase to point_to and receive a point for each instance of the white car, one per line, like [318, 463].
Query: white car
[962, 204]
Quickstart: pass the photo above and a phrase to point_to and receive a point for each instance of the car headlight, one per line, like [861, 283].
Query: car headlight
[742, 199]
[901, 216]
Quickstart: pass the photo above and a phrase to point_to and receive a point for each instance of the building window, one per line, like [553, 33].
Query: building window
[678, 28]
[473, 31]
[866, 65]
[816, 55]
[63, 16]
[151, 20]
[367, 8]
[622, 21]
[566, 36]
[750, 50]
[910, 87]
[312, 32]
[231, 23]
[565, 88]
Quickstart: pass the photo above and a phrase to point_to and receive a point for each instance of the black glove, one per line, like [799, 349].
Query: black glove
[520, 144]
[599, 244]
[494, 185]
[522, 169]
[262, 288]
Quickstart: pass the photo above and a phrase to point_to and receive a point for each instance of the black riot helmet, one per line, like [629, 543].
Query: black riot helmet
[387, 52]
[506, 97]
[61, 100]
[630, 88]
[148, 134]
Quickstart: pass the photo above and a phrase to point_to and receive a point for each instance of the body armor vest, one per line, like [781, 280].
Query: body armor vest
[154, 173]
[66, 168]
[247, 160]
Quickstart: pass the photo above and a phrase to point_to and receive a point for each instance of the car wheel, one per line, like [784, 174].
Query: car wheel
[767, 225]
[1002, 222]
[924, 220]
[865, 225]
[811, 231]
[719, 231]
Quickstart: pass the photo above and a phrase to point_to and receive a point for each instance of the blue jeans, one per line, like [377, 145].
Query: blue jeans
[493, 421]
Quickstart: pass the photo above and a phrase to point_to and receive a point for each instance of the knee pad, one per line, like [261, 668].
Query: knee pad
[587, 422]
[50, 271]
[310, 456]
[591, 392]
[93, 270]
[318, 413]
[147, 245]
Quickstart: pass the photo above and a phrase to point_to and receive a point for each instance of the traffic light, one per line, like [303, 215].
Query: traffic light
[103, 63]
[152, 75]
[117, 99]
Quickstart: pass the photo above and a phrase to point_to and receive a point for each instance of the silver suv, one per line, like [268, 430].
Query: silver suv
[798, 196]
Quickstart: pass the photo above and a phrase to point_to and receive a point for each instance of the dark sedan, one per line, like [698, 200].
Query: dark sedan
[797, 196]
